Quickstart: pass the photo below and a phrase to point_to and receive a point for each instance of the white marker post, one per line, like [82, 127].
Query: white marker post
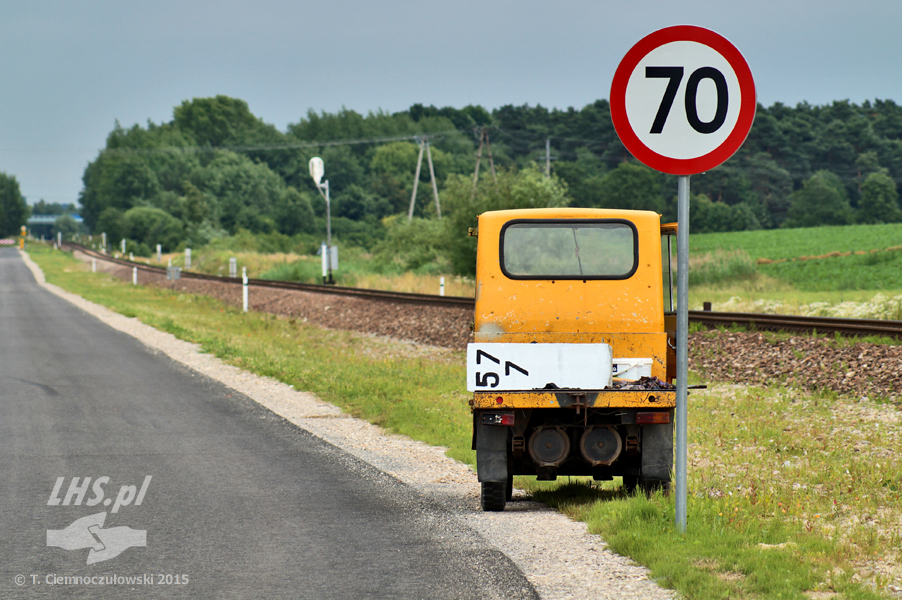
[123, 246]
[187, 258]
[233, 267]
[682, 101]
[103, 242]
[244, 289]
[134, 275]
[159, 253]
[441, 287]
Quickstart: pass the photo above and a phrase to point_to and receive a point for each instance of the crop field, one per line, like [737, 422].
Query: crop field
[853, 271]
[776, 244]
[881, 270]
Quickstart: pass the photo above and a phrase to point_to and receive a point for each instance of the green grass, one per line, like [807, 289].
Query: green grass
[871, 271]
[720, 267]
[768, 289]
[715, 558]
[776, 244]
[757, 528]
[831, 265]
[787, 493]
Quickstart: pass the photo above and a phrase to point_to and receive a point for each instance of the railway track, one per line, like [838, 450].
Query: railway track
[290, 285]
[763, 322]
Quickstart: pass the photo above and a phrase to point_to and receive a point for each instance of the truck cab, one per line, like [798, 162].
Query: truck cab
[572, 363]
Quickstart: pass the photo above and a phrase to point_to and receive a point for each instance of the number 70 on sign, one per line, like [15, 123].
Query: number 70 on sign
[683, 100]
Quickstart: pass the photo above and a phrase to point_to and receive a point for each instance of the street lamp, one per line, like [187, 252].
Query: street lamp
[317, 170]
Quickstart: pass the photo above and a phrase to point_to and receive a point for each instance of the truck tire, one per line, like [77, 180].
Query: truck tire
[494, 496]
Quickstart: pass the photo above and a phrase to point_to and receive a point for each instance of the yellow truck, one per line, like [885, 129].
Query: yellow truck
[573, 360]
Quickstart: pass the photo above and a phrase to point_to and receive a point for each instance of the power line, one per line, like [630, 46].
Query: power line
[269, 147]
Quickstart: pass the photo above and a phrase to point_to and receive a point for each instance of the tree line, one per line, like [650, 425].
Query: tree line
[13, 208]
[216, 169]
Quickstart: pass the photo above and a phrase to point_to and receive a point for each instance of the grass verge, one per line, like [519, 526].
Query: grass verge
[791, 495]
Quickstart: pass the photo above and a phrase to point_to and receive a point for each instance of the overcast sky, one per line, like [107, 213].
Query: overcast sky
[72, 69]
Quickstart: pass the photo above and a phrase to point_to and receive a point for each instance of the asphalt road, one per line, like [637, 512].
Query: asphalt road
[237, 502]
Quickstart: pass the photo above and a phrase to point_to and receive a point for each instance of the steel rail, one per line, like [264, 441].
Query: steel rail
[407, 297]
[759, 321]
[850, 327]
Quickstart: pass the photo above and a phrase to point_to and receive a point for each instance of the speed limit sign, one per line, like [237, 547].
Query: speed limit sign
[683, 100]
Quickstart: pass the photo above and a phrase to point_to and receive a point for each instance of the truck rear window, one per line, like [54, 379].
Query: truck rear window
[569, 249]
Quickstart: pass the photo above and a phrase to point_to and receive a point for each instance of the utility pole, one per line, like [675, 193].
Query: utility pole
[416, 181]
[547, 157]
[438, 207]
[483, 140]
[423, 143]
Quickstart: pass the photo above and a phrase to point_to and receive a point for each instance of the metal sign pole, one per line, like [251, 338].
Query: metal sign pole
[682, 346]
[680, 143]
[328, 233]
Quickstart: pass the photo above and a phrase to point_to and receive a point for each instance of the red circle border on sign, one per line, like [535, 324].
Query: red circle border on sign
[747, 107]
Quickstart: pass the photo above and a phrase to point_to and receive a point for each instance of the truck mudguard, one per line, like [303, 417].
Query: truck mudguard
[657, 452]
[491, 452]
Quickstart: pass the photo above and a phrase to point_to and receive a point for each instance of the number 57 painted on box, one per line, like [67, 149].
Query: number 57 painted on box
[527, 367]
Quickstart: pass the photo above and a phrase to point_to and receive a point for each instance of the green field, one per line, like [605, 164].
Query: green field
[873, 271]
[775, 244]
[852, 271]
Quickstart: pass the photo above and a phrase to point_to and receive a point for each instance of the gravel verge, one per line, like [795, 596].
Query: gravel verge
[753, 358]
[557, 555]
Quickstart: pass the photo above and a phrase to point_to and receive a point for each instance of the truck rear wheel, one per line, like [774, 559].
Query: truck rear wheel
[494, 496]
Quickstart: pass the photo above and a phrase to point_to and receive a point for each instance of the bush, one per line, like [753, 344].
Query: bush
[879, 202]
[823, 200]
[711, 217]
[152, 226]
[137, 248]
[245, 241]
[112, 223]
[411, 246]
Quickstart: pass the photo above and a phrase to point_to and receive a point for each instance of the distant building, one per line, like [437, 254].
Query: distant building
[41, 226]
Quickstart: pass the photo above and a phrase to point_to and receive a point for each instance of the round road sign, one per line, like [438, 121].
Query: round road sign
[683, 100]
